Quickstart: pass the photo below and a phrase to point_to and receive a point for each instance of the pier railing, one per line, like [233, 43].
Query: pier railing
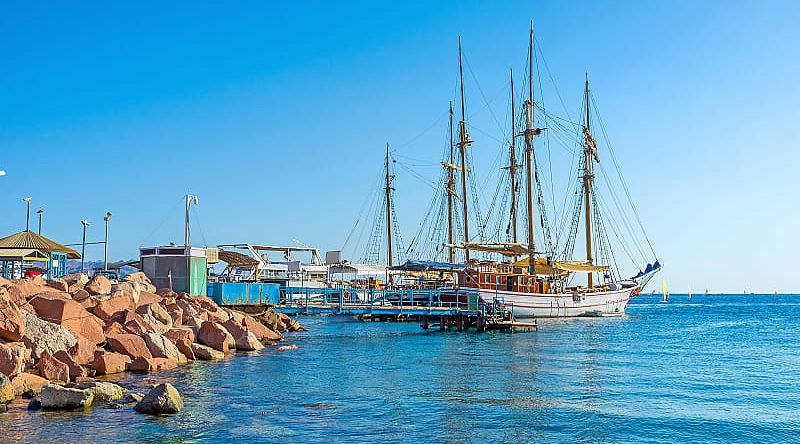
[349, 300]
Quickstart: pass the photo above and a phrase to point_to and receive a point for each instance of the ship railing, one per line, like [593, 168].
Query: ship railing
[345, 297]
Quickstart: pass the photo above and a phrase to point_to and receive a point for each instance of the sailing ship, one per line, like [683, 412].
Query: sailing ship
[529, 282]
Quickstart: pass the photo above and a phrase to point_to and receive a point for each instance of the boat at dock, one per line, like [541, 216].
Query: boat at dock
[535, 275]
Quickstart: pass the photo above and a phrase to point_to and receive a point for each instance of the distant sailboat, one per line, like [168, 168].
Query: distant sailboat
[664, 292]
[690, 292]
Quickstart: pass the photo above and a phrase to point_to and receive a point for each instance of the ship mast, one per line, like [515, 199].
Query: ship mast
[530, 132]
[451, 185]
[589, 152]
[389, 217]
[464, 141]
[512, 168]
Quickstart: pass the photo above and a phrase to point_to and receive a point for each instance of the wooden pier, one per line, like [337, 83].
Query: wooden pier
[458, 309]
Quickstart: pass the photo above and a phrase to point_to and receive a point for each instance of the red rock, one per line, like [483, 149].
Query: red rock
[79, 295]
[75, 287]
[148, 298]
[58, 284]
[128, 344]
[98, 285]
[12, 359]
[166, 292]
[234, 328]
[83, 350]
[51, 368]
[25, 381]
[262, 332]
[215, 336]
[248, 341]
[11, 326]
[114, 328]
[175, 334]
[135, 324]
[26, 288]
[107, 363]
[75, 369]
[107, 308]
[184, 346]
[175, 312]
[142, 364]
[70, 315]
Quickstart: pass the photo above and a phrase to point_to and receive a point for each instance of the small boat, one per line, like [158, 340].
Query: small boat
[690, 292]
[664, 292]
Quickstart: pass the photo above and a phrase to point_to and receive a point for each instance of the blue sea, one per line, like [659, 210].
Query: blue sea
[716, 368]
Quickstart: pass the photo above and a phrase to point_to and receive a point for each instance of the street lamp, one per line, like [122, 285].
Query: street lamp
[40, 212]
[83, 243]
[28, 217]
[105, 244]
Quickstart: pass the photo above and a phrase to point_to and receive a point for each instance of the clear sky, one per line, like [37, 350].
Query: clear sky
[277, 113]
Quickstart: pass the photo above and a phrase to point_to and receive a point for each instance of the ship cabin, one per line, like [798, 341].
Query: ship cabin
[488, 275]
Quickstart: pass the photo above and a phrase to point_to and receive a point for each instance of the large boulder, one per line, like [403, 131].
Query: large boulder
[57, 397]
[144, 365]
[108, 363]
[148, 298]
[163, 399]
[215, 336]
[161, 347]
[70, 315]
[130, 345]
[175, 312]
[76, 278]
[98, 285]
[42, 336]
[185, 347]
[107, 308]
[248, 341]
[11, 326]
[75, 369]
[177, 333]
[127, 288]
[103, 391]
[262, 332]
[83, 350]
[12, 358]
[27, 381]
[51, 368]
[6, 389]
[25, 288]
[156, 316]
[58, 284]
[206, 353]
[189, 311]
[136, 324]
[143, 281]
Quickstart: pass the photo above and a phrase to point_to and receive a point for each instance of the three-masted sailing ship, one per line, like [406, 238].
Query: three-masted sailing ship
[530, 282]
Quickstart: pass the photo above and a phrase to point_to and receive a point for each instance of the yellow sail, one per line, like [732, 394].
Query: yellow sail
[664, 286]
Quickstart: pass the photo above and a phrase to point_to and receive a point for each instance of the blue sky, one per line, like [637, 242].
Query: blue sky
[277, 115]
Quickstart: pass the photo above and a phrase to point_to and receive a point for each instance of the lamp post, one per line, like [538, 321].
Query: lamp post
[105, 244]
[40, 212]
[28, 216]
[83, 243]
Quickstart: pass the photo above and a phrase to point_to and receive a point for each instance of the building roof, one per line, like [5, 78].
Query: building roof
[31, 240]
[22, 254]
[237, 259]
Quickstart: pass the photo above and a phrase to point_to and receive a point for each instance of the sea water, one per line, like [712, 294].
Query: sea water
[714, 368]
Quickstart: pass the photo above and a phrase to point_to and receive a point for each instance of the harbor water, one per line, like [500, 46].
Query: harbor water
[716, 368]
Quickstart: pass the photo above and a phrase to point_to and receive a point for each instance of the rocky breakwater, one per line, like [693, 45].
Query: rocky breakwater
[56, 336]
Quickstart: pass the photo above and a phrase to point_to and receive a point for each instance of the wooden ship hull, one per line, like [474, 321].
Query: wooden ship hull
[560, 305]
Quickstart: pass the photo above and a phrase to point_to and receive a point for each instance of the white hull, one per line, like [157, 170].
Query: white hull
[538, 305]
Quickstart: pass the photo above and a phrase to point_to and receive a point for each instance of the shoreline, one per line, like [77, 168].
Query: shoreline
[66, 343]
